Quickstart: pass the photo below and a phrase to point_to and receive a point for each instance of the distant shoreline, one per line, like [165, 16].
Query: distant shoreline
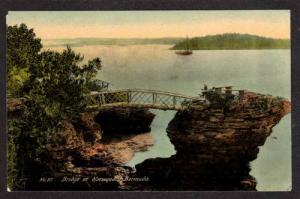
[171, 47]
[227, 41]
[232, 41]
[104, 41]
[119, 45]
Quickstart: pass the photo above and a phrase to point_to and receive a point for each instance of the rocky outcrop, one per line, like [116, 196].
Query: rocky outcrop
[83, 148]
[89, 152]
[115, 152]
[214, 146]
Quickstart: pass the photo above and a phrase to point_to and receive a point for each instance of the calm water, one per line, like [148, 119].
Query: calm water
[156, 67]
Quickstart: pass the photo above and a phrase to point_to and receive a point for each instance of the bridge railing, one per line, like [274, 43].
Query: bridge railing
[146, 98]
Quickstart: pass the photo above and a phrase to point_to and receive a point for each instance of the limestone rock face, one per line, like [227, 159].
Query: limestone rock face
[90, 148]
[92, 131]
[214, 147]
[117, 151]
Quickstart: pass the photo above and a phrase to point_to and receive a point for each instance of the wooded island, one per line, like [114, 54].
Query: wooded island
[232, 41]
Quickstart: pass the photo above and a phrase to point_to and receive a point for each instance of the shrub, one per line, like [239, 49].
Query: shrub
[216, 100]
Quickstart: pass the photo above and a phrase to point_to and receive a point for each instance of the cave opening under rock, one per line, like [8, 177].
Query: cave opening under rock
[162, 147]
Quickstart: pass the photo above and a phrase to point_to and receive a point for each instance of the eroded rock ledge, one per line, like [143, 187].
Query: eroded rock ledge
[214, 146]
[97, 146]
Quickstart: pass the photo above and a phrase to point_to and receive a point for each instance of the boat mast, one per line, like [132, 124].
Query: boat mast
[187, 43]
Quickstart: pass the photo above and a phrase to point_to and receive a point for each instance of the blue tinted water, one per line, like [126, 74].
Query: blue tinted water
[156, 67]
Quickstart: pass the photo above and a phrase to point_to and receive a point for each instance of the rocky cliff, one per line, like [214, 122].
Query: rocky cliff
[95, 146]
[214, 146]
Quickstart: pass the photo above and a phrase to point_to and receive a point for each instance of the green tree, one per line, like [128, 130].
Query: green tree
[54, 86]
[59, 83]
[22, 53]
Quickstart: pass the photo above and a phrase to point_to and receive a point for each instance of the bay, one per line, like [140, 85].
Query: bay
[157, 67]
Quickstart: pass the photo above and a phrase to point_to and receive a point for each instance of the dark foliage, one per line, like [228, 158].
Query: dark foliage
[233, 41]
[22, 53]
[54, 85]
[221, 101]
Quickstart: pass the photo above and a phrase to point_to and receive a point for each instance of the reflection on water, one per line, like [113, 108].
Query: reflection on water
[156, 67]
[272, 168]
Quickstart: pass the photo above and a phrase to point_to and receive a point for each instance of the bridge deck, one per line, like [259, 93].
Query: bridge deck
[126, 105]
[141, 98]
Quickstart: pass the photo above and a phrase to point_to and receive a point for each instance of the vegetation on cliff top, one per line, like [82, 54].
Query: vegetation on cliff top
[54, 85]
[232, 41]
[219, 101]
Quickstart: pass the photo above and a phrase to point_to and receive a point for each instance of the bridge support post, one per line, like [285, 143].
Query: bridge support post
[99, 99]
[128, 97]
[174, 101]
[103, 98]
[154, 95]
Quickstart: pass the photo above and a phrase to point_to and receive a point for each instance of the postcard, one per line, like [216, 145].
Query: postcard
[178, 100]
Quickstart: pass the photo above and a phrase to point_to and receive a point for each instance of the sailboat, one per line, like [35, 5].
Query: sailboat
[187, 50]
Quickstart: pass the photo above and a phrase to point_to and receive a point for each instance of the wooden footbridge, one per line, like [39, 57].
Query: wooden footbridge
[141, 98]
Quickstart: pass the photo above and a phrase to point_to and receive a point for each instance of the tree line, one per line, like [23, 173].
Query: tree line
[232, 41]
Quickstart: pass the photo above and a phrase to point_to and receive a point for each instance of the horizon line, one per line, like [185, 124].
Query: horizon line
[165, 37]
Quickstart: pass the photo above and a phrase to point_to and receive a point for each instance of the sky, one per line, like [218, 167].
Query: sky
[152, 24]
